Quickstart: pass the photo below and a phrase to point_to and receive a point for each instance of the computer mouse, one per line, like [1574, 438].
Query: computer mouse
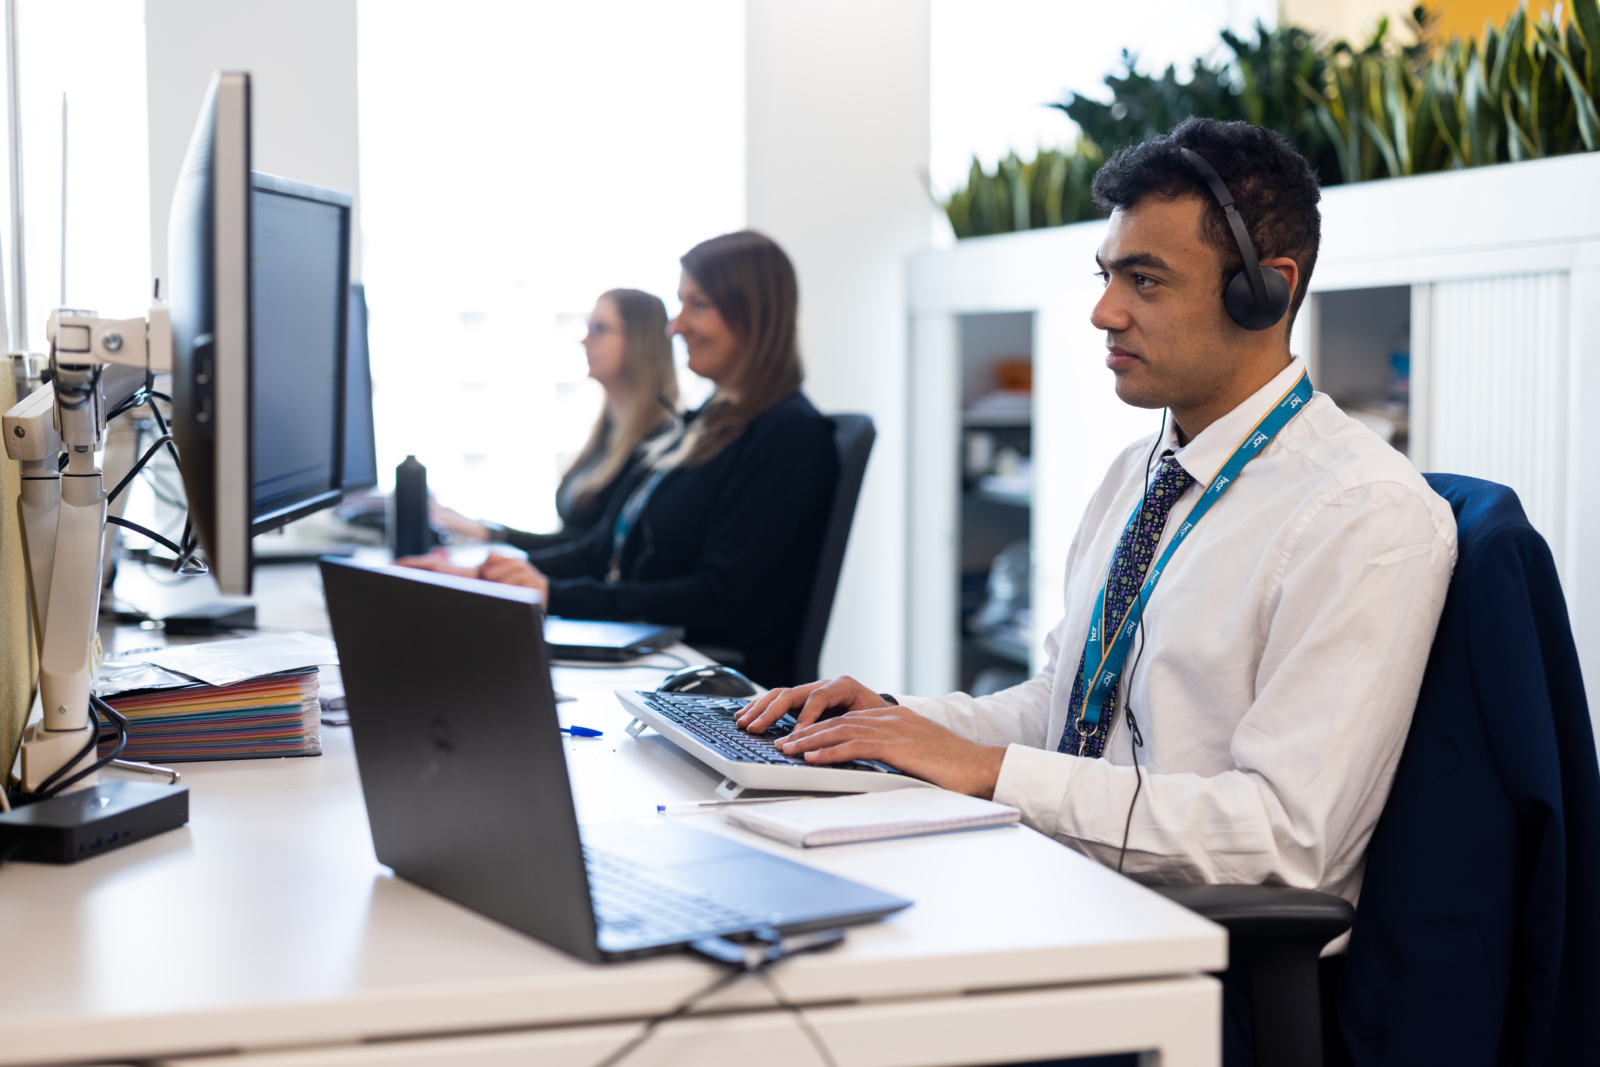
[709, 680]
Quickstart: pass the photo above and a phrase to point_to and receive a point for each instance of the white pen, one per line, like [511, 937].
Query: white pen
[697, 805]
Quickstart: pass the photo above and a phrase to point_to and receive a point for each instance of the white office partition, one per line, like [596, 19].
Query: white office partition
[1500, 385]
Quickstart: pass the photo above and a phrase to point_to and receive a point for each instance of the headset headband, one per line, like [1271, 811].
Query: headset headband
[1241, 236]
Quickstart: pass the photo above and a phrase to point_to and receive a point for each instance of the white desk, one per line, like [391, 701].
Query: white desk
[265, 934]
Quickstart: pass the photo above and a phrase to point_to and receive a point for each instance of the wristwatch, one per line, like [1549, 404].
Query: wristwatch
[890, 697]
[497, 533]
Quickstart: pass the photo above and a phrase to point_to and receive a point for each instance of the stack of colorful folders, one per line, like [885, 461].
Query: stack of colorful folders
[270, 715]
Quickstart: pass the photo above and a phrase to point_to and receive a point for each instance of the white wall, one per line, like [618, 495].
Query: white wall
[837, 142]
[301, 55]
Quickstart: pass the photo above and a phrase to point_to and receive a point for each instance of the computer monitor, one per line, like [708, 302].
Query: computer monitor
[360, 447]
[258, 288]
[299, 289]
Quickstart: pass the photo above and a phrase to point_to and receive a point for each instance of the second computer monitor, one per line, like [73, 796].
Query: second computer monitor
[300, 266]
[360, 450]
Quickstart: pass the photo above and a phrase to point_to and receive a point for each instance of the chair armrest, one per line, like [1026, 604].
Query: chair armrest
[1267, 911]
[1275, 936]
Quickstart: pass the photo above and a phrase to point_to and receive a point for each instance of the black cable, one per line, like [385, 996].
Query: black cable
[137, 467]
[45, 787]
[161, 424]
[823, 1052]
[116, 520]
[733, 975]
[122, 728]
[129, 404]
[1135, 737]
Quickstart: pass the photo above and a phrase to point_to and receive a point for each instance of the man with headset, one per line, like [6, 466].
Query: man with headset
[1252, 594]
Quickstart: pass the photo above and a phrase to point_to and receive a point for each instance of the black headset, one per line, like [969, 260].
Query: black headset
[1257, 297]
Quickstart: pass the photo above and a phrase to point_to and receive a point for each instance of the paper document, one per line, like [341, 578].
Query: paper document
[871, 816]
[228, 661]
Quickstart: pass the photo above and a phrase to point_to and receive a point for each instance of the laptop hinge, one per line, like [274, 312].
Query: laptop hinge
[729, 789]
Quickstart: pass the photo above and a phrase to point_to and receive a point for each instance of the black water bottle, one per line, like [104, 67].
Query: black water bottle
[408, 514]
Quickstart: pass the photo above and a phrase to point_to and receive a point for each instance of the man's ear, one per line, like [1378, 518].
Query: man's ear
[1286, 267]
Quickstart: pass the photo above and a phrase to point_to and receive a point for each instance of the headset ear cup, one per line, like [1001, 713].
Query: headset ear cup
[1241, 304]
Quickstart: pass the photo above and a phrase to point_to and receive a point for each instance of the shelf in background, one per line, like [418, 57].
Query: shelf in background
[1012, 499]
[1007, 648]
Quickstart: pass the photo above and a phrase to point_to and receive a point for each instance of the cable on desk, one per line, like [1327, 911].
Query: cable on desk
[121, 725]
[732, 975]
[44, 789]
[823, 1051]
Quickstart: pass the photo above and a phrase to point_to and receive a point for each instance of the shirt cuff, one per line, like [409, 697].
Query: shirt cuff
[1036, 783]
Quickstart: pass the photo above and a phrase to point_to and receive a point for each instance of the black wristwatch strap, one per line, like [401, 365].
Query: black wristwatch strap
[890, 697]
[497, 532]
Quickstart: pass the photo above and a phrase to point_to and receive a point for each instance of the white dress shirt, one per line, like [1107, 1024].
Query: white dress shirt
[1286, 645]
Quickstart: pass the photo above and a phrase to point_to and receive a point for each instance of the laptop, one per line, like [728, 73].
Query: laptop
[704, 727]
[464, 774]
[601, 640]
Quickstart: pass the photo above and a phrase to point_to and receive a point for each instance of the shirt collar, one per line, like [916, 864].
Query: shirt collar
[1209, 449]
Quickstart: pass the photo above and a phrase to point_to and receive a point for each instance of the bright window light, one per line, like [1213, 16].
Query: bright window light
[517, 160]
[996, 64]
[92, 50]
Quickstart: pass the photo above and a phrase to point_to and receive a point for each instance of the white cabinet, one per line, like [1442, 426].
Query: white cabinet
[1502, 266]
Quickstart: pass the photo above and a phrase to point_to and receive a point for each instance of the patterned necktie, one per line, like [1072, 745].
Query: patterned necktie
[1128, 566]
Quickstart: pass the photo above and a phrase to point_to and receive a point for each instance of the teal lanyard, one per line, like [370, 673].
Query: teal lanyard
[626, 518]
[1103, 683]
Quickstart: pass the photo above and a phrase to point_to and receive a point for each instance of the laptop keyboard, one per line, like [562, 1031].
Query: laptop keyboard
[710, 720]
[635, 906]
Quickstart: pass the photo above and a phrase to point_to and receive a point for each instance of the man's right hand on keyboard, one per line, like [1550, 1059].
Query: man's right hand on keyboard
[808, 703]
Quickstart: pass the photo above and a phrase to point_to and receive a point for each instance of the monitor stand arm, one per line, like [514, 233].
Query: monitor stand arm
[64, 514]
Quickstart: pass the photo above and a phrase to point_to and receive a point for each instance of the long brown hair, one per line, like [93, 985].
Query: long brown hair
[652, 393]
[752, 283]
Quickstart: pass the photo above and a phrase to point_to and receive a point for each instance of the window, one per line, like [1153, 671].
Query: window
[516, 161]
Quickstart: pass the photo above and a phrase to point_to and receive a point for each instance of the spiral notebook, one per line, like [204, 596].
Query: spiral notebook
[871, 816]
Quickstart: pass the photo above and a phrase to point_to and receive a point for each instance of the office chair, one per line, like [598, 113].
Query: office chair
[853, 436]
[1476, 941]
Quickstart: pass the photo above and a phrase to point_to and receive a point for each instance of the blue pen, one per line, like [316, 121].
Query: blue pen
[581, 731]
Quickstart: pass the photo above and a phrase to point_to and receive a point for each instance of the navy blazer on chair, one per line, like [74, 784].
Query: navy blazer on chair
[1477, 938]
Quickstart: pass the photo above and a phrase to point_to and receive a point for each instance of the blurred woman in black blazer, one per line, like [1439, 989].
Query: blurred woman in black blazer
[630, 355]
[693, 542]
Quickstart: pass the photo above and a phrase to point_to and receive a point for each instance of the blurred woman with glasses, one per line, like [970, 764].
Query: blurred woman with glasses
[630, 355]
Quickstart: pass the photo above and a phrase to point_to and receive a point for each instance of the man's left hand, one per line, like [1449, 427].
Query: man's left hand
[907, 742]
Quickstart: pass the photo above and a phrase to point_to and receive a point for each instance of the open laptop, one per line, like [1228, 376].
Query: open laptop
[704, 727]
[465, 779]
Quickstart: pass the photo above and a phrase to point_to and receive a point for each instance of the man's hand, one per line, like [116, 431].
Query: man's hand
[510, 571]
[808, 702]
[907, 742]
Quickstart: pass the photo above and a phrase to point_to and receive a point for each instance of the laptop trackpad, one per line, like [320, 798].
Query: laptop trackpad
[737, 872]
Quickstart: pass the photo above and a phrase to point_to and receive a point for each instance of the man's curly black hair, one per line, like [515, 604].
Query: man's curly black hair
[1274, 187]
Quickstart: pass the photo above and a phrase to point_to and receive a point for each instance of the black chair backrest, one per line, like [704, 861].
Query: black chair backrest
[853, 436]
